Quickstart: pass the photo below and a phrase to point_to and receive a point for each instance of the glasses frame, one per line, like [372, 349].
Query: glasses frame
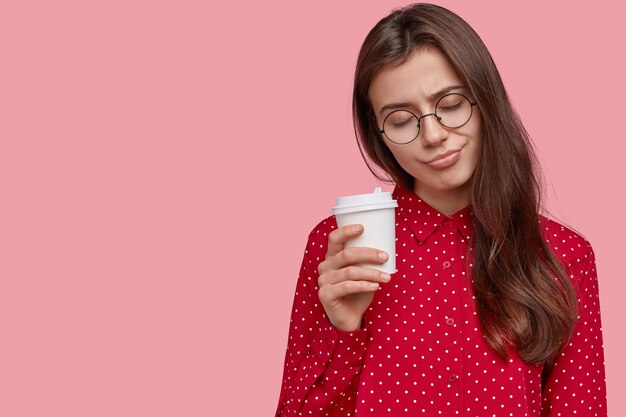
[472, 104]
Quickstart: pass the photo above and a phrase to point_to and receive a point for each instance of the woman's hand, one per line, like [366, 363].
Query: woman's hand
[346, 290]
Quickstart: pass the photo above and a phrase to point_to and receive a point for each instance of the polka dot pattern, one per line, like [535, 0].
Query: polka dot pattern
[420, 350]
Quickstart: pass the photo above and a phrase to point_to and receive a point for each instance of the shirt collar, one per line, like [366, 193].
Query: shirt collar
[423, 219]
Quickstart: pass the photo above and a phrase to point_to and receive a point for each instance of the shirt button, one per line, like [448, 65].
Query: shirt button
[447, 224]
[450, 321]
[446, 264]
[453, 377]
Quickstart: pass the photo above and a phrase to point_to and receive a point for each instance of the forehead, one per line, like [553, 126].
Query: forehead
[426, 71]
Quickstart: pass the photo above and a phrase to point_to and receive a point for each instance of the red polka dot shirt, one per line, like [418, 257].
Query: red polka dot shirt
[420, 350]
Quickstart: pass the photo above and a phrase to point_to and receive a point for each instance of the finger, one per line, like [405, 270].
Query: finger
[355, 256]
[354, 273]
[337, 238]
[352, 256]
[330, 294]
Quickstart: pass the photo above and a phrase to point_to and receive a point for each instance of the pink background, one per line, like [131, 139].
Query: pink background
[161, 164]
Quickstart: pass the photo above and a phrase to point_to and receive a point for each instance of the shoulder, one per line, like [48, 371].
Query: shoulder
[570, 246]
[318, 238]
[323, 228]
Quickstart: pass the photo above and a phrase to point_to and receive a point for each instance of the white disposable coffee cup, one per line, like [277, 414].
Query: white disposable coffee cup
[376, 212]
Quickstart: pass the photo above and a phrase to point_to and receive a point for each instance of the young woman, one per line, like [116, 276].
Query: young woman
[493, 310]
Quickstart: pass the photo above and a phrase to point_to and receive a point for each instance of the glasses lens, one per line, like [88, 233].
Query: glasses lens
[401, 126]
[453, 110]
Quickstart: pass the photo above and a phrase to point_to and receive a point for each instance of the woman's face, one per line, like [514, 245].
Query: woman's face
[416, 85]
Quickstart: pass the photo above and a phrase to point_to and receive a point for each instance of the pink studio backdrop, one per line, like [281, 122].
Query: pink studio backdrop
[162, 162]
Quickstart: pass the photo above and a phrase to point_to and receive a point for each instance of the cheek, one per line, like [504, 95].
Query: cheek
[401, 155]
[476, 150]
[407, 160]
[474, 135]
[477, 127]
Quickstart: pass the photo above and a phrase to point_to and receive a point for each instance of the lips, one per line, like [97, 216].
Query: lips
[443, 155]
[445, 159]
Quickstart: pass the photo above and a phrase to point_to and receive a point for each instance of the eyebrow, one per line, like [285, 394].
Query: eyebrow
[393, 106]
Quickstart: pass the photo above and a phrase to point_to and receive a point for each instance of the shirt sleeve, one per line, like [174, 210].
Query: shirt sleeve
[322, 364]
[576, 383]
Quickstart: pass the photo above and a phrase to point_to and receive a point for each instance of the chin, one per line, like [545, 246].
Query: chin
[447, 181]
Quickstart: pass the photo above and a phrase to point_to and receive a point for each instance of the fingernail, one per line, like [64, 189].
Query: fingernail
[373, 285]
[356, 229]
[385, 277]
[383, 256]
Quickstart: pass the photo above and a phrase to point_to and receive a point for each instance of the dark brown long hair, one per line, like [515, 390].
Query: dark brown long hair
[524, 297]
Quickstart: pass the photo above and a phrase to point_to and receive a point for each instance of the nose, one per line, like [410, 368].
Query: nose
[431, 130]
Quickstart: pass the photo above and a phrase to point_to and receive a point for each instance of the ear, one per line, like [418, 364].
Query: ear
[374, 126]
[382, 138]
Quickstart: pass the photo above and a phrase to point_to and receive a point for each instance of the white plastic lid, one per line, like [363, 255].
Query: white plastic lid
[362, 202]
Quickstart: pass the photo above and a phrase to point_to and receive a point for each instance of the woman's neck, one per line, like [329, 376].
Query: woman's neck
[447, 202]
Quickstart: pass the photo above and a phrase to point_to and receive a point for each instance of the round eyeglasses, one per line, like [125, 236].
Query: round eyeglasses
[452, 110]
